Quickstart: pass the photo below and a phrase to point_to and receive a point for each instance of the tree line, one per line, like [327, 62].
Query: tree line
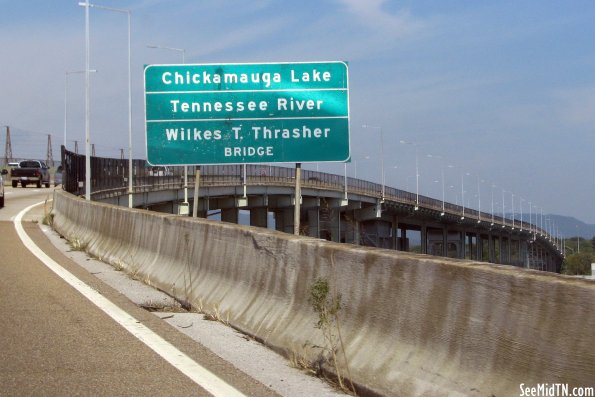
[580, 253]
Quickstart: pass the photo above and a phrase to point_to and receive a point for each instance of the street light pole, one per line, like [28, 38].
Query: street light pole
[512, 204]
[578, 241]
[87, 106]
[381, 156]
[442, 179]
[493, 186]
[416, 179]
[521, 208]
[463, 193]
[478, 201]
[530, 218]
[87, 5]
[416, 172]
[443, 192]
[503, 217]
[66, 74]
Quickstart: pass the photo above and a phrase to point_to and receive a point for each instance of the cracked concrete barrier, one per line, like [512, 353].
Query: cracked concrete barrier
[411, 325]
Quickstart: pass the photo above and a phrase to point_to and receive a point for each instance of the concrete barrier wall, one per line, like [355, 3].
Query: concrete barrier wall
[412, 325]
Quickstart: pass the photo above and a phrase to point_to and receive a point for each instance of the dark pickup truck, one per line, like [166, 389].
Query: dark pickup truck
[30, 172]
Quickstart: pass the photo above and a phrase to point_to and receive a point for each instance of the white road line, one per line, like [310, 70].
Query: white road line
[198, 374]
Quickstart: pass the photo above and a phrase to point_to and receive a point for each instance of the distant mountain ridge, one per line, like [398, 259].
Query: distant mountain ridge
[567, 226]
[571, 227]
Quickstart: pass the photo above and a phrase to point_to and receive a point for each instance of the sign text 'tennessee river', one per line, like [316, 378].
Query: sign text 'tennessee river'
[247, 113]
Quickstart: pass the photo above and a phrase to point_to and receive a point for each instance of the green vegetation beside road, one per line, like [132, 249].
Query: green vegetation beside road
[580, 253]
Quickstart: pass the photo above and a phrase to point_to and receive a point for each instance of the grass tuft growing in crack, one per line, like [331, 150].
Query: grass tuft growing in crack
[328, 306]
[77, 244]
[216, 315]
[171, 307]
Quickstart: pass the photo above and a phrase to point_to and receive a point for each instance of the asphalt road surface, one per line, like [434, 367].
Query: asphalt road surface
[56, 342]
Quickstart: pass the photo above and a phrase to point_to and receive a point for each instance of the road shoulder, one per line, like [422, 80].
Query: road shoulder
[190, 332]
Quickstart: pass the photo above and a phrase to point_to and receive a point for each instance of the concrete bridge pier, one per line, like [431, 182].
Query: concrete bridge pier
[351, 227]
[351, 224]
[335, 220]
[259, 217]
[230, 215]
[466, 245]
[480, 244]
[491, 249]
[424, 239]
[523, 255]
[284, 219]
[314, 222]
[376, 233]
[507, 251]
[394, 232]
[445, 242]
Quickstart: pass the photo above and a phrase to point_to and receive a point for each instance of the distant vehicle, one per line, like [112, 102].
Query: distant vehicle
[30, 172]
[4, 172]
[13, 164]
[58, 176]
[160, 171]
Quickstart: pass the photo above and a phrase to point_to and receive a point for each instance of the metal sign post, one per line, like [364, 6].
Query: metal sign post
[298, 199]
[196, 190]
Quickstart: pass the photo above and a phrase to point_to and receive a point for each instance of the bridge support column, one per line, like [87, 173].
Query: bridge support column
[503, 250]
[395, 233]
[314, 222]
[445, 242]
[356, 230]
[403, 244]
[335, 221]
[539, 256]
[424, 239]
[518, 258]
[524, 254]
[463, 244]
[230, 215]
[551, 265]
[259, 217]
[468, 245]
[350, 226]
[284, 220]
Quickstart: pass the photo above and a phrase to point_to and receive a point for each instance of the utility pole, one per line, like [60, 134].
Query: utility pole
[76, 147]
[121, 154]
[7, 148]
[49, 156]
[92, 150]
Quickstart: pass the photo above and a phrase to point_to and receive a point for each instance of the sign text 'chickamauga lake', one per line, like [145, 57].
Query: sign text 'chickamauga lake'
[247, 113]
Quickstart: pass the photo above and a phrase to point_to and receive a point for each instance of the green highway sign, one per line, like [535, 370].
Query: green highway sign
[247, 113]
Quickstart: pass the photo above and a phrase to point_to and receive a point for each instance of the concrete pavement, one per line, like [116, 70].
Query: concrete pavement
[77, 350]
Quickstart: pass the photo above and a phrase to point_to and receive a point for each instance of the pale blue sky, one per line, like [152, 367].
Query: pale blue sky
[504, 91]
